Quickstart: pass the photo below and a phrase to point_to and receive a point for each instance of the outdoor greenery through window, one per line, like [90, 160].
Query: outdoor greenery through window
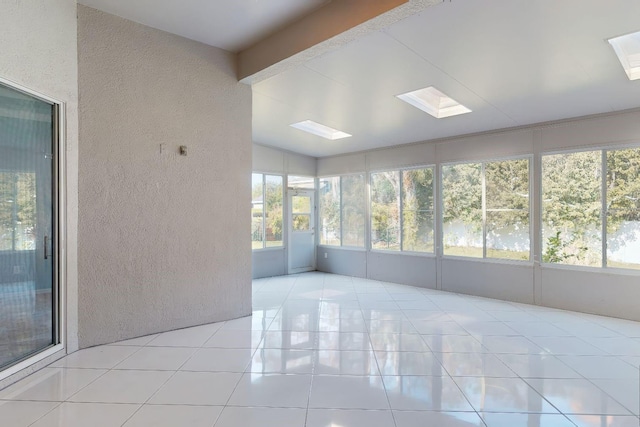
[342, 210]
[486, 209]
[266, 211]
[402, 210]
[590, 209]
[17, 211]
[573, 209]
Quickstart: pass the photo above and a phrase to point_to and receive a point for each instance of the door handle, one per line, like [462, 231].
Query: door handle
[46, 247]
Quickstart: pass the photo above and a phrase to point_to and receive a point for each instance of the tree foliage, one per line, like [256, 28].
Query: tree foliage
[462, 193]
[417, 210]
[385, 210]
[354, 199]
[415, 192]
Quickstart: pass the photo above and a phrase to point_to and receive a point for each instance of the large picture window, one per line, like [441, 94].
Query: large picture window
[342, 210]
[402, 210]
[486, 209]
[591, 208]
[266, 211]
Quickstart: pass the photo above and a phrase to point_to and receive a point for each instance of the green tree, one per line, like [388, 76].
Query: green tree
[417, 210]
[273, 208]
[353, 210]
[385, 212]
[572, 205]
[462, 193]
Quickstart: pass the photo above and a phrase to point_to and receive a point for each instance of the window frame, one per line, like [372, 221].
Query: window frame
[264, 212]
[434, 194]
[603, 149]
[532, 164]
[365, 197]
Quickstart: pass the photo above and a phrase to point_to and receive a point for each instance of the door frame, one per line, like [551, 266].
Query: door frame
[59, 221]
[311, 193]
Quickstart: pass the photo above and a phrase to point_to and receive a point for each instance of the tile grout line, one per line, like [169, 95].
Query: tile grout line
[169, 378]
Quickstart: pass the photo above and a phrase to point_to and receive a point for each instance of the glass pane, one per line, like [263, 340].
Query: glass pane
[301, 222]
[462, 209]
[385, 212]
[508, 209]
[257, 211]
[330, 211]
[26, 225]
[623, 214]
[417, 210]
[301, 182]
[354, 199]
[301, 204]
[273, 210]
[508, 235]
[571, 206]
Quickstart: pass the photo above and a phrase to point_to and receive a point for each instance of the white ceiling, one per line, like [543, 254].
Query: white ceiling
[232, 25]
[513, 62]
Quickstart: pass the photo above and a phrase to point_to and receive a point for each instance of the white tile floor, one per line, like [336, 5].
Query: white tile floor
[325, 351]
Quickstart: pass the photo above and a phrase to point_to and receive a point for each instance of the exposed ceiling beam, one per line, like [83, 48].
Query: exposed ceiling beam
[326, 29]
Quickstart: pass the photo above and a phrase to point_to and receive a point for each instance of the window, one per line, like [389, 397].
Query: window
[623, 208]
[342, 211]
[486, 209]
[573, 210]
[507, 209]
[402, 210]
[385, 210]
[571, 206]
[266, 211]
[354, 199]
[301, 182]
[17, 211]
[462, 209]
[417, 210]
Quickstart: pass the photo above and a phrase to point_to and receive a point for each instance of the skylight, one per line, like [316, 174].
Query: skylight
[321, 130]
[434, 102]
[628, 50]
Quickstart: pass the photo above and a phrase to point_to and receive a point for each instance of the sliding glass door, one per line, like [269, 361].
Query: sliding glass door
[28, 255]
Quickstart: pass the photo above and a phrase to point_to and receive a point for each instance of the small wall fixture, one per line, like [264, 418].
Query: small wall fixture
[627, 48]
[183, 150]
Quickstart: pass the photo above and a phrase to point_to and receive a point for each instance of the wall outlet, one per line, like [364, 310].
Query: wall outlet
[326, 255]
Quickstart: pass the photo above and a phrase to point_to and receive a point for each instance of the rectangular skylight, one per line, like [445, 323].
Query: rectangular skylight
[628, 50]
[434, 102]
[320, 130]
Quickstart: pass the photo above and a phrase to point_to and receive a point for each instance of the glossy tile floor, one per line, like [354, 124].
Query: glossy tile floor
[334, 351]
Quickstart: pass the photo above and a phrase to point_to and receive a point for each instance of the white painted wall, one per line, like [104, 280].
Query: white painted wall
[159, 233]
[39, 51]
[606, 292]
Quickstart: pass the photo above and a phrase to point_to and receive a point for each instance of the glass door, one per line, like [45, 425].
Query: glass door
[28, 289]
[302, 249]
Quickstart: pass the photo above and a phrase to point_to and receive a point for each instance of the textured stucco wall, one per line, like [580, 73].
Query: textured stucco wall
[38, 50]
[163, 238]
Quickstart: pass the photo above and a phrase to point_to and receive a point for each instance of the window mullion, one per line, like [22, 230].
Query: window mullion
[400, 208]
[603, 210]
[341, 212]
[264, 211]
[484, 212]
[14, 211]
